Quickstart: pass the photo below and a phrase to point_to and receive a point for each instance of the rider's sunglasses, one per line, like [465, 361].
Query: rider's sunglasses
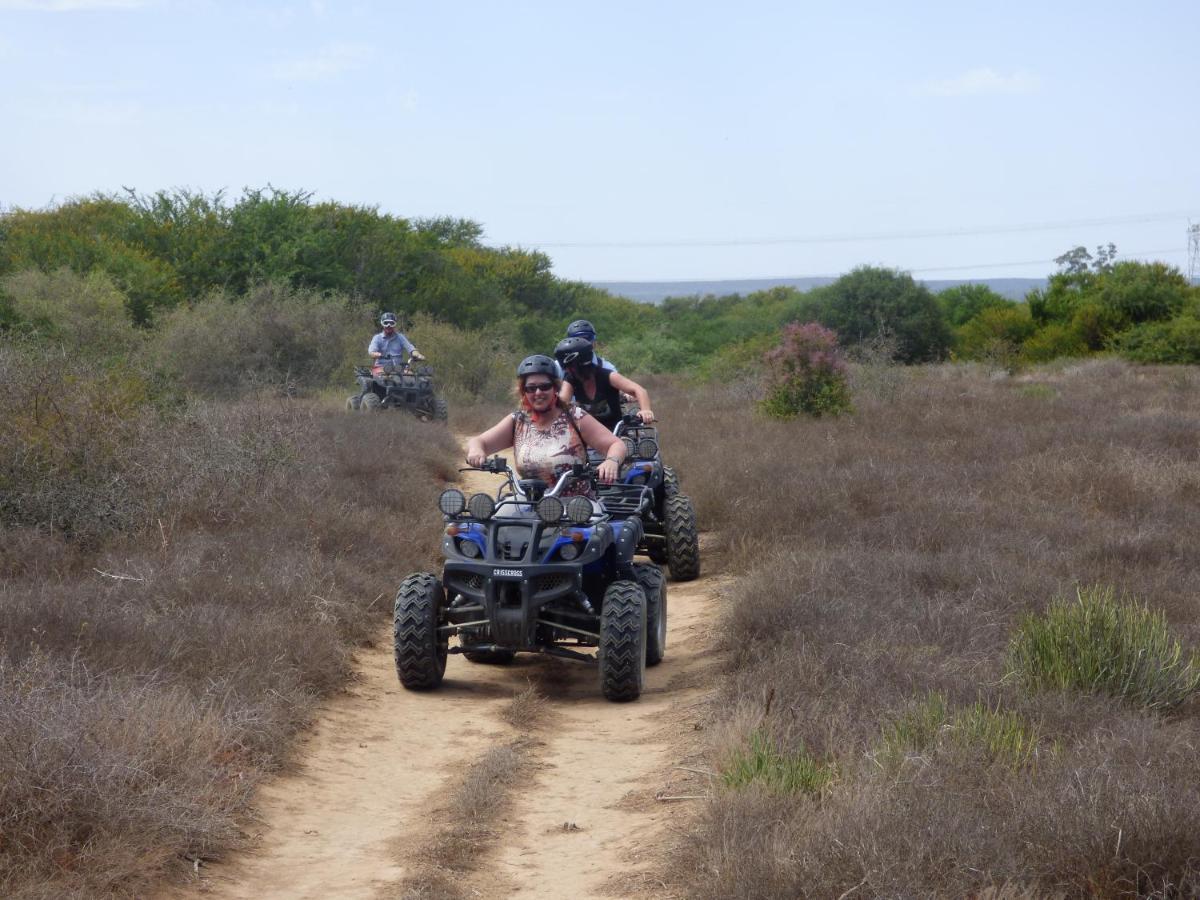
[540, 386]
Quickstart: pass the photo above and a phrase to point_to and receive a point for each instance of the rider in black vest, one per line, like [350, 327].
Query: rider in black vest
[596, 389]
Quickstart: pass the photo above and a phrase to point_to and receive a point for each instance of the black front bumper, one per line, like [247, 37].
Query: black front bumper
[512, 596]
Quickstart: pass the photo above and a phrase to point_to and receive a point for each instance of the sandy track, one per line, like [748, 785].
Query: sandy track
[379, 758]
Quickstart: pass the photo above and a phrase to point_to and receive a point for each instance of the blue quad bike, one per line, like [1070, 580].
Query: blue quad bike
[395, 384]
[669, 532]
[533, 571]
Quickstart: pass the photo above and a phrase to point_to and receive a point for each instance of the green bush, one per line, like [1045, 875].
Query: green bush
[1174, 341]
[806, 374]
[763, 763]
[276, 336]
[468, 364]
[963, 302]
[1103, 645]
[1053, 341]
[996, 334]
[1000, 735]
[83, 315]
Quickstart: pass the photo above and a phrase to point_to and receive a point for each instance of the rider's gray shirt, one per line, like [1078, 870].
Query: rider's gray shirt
[605, 364]
[396, 345]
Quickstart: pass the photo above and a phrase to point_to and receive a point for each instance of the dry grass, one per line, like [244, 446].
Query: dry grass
[174, 608]
[888, 557]
[470, 818]
[526, 710]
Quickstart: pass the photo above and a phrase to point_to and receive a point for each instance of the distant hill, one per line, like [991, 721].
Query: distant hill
[657, 291]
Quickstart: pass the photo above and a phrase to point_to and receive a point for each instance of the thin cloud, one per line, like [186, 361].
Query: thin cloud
[983, 81]
[327, 63]
[72, 5]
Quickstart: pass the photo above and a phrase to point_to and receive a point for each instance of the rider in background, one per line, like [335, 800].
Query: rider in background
[596, 389]
[390, 344]
[584, 329]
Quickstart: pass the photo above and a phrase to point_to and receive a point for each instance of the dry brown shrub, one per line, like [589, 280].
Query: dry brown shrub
[155, 665]
[889, 554]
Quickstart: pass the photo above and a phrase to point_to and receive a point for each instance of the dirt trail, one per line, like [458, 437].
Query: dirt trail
[379, 758]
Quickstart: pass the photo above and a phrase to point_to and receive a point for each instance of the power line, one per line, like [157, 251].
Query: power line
[1134, 254]
[1131, 255]
[968, 231]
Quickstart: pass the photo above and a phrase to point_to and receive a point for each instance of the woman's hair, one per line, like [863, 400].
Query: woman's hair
[523, 398]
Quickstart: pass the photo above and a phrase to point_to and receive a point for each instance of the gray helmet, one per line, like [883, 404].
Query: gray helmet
[575, 351]
[538, 364]
[582, 328]
[387, 319]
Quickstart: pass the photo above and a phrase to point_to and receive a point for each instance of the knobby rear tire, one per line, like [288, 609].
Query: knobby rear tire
[683, 541]
[654, 586]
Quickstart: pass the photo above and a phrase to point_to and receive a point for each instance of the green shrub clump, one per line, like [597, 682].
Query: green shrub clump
[1104, 645]
[763, 763]
[1173, 341]
[806, 374]
[1000, 735]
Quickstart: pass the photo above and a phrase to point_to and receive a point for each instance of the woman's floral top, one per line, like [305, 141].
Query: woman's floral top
[547, 452]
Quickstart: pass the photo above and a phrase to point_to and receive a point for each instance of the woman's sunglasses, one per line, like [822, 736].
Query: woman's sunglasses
[540, 386]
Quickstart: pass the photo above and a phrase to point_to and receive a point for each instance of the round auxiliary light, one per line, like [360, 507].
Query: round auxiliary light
[481, 506]
[568, 552]
[451, 502]
[647, 448]
[469, 549]
[579, 510]
[550, 509]
[630, 447]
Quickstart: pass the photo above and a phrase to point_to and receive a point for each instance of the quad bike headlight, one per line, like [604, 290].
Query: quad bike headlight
[579, 510]
[568, 552]
[481, 506]
[630, 447]
[452, 502]
[550, 510]
[647, 448]
[469, 549]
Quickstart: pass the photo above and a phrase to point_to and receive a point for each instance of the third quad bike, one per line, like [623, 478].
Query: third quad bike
[393, 384]
[533, 571]
[670, 523]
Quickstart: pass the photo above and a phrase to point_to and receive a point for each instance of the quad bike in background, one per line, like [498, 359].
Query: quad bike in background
[533, 571]
[669, 533]
[394, 384]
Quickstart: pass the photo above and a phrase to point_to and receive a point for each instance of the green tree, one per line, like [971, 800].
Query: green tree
[871, 301]
[964, 302]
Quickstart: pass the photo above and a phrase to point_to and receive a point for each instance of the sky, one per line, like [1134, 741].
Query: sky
[641, 140]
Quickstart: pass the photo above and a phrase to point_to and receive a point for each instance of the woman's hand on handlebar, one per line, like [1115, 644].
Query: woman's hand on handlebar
[608, 470]
[476, 459]
[647, 416]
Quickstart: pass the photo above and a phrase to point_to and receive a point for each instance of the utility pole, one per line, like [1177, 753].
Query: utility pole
[1193, 253]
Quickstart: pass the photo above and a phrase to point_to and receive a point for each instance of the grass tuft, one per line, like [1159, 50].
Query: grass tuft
[1000, 735]
[1100, 644]
[762, 762]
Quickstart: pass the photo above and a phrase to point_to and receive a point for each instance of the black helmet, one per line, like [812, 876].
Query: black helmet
[538, 364]
[582, 328]
[387, 319]
[574, 351]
